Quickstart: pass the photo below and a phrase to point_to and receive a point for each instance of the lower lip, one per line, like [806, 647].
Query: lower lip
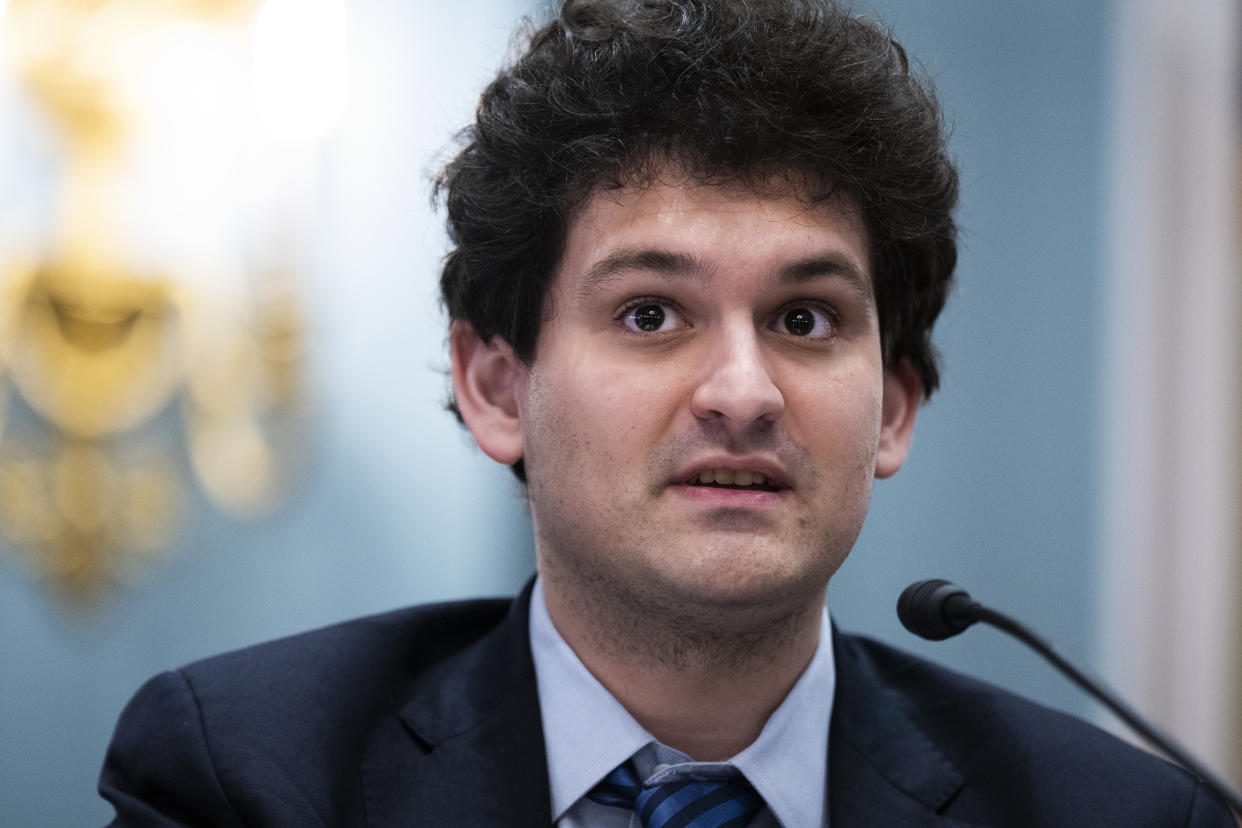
[736, 498]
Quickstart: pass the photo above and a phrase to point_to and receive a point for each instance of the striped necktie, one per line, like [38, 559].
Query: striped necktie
[682, 803]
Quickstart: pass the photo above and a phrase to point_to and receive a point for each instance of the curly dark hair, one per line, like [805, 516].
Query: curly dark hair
[611, 92]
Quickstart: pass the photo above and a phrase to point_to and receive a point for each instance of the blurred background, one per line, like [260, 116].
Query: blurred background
[222, 362]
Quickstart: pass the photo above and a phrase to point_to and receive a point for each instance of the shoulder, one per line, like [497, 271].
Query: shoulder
[343, 655]
[336, 682]
[1019, 761]
[965, 715]
[279, 729]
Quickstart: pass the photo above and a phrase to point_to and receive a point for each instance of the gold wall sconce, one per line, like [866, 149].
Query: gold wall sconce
[151, 331]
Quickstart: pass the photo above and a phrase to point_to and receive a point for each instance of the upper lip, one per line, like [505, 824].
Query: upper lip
[772, 471]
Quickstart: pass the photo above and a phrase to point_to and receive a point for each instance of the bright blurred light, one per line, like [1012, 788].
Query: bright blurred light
[183, 172]
[301, 68]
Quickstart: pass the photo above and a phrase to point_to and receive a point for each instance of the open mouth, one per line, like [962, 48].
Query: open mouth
[736, 480]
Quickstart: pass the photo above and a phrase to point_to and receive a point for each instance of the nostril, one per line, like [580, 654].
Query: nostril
[740, 399]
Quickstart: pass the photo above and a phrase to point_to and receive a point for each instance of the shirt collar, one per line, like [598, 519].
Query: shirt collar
[788, 763]
[587, 732]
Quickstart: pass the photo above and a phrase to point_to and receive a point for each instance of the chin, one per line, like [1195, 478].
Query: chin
[720, 584]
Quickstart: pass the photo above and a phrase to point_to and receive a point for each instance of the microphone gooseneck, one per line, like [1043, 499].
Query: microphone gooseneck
[937, 609]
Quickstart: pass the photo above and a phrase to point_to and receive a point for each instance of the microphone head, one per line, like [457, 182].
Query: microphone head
[934, 609]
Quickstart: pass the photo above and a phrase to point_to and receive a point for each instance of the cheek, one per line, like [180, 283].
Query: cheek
[838, 417]
[570, 419]
[849, 395]
[615, 411]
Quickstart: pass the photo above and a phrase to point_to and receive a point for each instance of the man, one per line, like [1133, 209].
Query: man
[699, 249]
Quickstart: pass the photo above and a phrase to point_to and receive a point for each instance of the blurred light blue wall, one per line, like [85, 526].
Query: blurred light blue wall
[397, 507]
[999, 493]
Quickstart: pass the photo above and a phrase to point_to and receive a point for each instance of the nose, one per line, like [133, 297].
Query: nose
[737, 384]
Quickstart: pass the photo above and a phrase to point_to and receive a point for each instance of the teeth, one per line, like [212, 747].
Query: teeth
[729, 477]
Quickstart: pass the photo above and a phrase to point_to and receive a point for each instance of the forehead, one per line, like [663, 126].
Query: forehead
[700, 229]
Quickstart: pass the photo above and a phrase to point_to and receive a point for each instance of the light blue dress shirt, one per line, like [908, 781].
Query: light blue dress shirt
[587, 733]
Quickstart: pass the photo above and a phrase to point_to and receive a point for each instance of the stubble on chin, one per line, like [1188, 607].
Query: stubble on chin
[621, 607]
[651, 627]
[727, 610]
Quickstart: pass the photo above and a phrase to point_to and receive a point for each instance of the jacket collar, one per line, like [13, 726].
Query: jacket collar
[474, 744]
[882, 768]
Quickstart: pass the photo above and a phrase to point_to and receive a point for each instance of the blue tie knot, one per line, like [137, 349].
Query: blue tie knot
[728, 802]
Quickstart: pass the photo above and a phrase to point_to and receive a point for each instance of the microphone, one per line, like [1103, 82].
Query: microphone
[937, 609]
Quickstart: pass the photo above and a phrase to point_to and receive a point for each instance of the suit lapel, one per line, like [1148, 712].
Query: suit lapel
[882, 768]
[471, 750]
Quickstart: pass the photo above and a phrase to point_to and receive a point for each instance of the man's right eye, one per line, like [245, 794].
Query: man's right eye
[650, 317]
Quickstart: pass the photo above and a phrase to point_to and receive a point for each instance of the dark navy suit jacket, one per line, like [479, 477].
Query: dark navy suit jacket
[429, 716]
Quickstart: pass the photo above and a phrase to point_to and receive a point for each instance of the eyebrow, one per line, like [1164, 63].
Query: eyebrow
[826, 267]
[661, 262]
[683, 266]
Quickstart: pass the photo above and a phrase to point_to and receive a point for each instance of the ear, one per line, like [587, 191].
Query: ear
[903, 390]
[488, 381]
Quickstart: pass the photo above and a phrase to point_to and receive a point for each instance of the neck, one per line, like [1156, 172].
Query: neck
[702, 678]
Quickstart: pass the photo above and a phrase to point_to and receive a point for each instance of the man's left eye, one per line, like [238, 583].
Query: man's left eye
[811, 322]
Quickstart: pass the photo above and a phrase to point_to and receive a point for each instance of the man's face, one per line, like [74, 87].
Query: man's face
[706, 409]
